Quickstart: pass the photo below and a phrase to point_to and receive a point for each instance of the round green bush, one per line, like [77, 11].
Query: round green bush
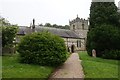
[42, 48]
[104, 37]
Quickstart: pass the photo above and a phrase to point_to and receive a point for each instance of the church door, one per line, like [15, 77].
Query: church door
[72, 48]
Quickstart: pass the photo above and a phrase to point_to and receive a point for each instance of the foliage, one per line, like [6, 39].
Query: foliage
[4, 22]
[8, 35]
[43, 49]
[98, 68]
[112, 54]
[56, 26]
[8, 32]
[48, 25]
[11, 68]
[104, 30]
[41, 24]
[104, 13]
[104, 37]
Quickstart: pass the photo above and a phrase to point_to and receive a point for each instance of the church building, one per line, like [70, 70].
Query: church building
[80, 27]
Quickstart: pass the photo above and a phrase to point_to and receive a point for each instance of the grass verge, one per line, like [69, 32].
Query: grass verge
[11, 68]
[98, 67]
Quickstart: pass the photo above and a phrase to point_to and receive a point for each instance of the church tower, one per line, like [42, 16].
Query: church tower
[80, 26]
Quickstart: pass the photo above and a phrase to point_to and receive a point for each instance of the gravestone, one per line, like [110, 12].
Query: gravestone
[93, 53]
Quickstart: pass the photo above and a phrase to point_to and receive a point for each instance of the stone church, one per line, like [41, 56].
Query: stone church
[75, 37]
[80, 27]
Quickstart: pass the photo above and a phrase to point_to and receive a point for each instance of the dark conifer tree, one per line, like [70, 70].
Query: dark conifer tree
[103, 13]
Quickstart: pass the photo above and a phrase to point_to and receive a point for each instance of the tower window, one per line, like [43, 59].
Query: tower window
[73, 27]
[83, 25]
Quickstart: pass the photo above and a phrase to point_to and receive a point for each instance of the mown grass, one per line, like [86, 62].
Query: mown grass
[98, 67]
[11, 68]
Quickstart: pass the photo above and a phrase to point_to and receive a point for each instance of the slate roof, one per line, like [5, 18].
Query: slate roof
[24, 30]
[60, 32]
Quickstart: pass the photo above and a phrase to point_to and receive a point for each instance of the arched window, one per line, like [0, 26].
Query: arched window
[73, 27]
[83, 26]
[78, 43]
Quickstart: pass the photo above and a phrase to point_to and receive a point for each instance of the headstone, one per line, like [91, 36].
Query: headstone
[93, 53]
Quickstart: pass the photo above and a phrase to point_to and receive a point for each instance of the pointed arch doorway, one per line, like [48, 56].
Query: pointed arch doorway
[72, 48]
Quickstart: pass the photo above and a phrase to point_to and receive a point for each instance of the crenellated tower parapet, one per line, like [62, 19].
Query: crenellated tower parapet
[78, 24]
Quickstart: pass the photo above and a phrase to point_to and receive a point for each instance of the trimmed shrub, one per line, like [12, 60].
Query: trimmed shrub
[43, 49]
[104, 37]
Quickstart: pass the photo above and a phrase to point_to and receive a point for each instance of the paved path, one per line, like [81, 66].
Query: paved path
[70, 69]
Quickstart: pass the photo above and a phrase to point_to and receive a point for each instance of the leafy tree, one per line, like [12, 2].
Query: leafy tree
[60, 26]
[104, 37]
[41, 24]
[55, 25]
[67, 27]
[8, 35]
[48, 25]
[3, 22]
[8, 32]
[104, 32]
[104, 13]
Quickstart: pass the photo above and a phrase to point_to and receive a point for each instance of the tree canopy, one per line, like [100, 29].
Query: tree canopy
[104, 30]
[56, 26]
[8, 32]
[104, 13]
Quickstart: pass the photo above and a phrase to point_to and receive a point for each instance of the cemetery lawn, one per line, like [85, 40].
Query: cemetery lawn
[11, 68]
[98, 67]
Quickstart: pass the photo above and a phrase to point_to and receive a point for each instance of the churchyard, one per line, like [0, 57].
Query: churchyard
[99, 68]
[92, 67]
[12, 68]
[44, 55]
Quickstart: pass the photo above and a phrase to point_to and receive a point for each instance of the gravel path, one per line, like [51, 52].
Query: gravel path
[70, 69]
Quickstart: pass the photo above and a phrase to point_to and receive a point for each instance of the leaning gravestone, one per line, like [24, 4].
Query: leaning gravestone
[93, 53]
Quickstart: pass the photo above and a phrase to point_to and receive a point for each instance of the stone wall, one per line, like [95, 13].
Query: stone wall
[78, 43]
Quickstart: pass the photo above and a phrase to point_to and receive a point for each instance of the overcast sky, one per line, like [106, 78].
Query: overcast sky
[59, 12]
